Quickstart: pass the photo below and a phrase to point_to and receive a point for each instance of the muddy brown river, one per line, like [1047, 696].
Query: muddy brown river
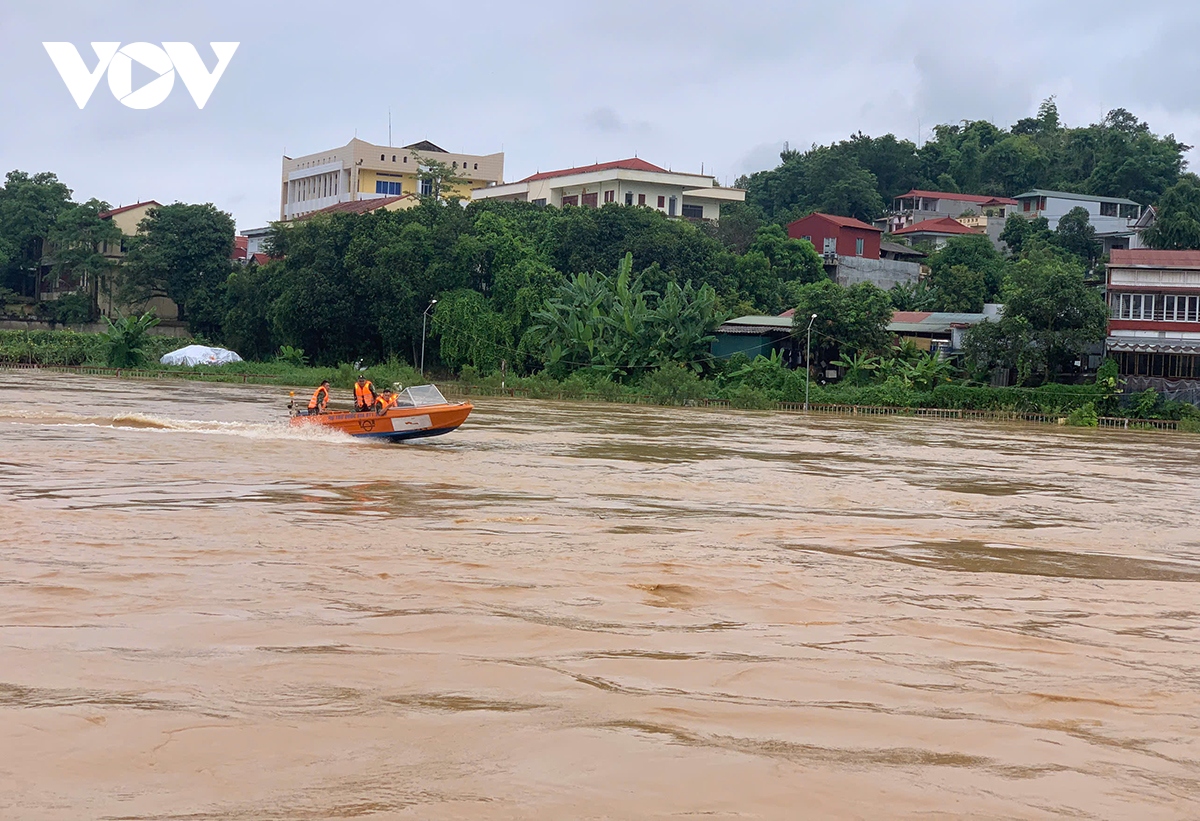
[578, 611]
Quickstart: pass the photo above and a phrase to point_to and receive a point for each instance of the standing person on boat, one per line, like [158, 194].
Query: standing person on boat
[386, 400]
[364, 394]
[320, 398]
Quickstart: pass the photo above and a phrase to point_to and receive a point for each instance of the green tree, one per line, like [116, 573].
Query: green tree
[470, 332]
[849, 320]
[183, 251]
[438, 180]
[29, 209]
[1177, 219]
[1050, 316]
[978, 281]
[1020, 233]
[1076, 235]
[76, 242]
[959, 289]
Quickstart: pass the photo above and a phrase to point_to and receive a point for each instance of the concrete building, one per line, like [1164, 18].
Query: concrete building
[936, 231]
[1154, 325]
[631, 181]
[918, 206]
[1115, 219]
[360, 170]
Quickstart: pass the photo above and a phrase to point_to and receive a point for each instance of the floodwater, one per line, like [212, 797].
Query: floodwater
[569, 611]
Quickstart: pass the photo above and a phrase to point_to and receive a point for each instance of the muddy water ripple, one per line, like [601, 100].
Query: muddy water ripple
[588, 611]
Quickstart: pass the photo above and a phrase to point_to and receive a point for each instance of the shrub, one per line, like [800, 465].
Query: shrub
[673, 385]
[1084, 416]
[292, 356]
[748, 398]
[127, 341]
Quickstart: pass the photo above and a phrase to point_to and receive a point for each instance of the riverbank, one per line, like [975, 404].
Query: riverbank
[292, 377]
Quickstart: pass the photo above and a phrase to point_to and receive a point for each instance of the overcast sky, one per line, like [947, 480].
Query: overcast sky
[556, 84]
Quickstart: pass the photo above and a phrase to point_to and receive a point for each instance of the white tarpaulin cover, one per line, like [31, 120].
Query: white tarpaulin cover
[200, 355]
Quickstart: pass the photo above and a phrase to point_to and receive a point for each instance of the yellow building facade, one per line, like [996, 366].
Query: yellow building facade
[363, 171]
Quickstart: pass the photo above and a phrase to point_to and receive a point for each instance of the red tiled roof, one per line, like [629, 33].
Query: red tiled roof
[844, 222]
[949, 195]
[355, 207]
[631, 164]
[261, 259]
[941, 225]
[106, 214]
[910, 316]
[240, 246]
[789, 312]
[1152, 258]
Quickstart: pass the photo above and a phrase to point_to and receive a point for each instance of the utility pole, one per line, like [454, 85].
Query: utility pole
[807, 362]
[424, 316]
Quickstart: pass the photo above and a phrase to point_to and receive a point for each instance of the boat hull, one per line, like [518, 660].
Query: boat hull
[397, 425]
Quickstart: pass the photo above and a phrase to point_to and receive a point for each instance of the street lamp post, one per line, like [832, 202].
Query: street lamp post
[424, 316]
[807, 360]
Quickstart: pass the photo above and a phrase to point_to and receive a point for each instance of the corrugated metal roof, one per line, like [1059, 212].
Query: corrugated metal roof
[1153, 259]
[1116, 343]
[843, 222]
[941, 225]
[1067, 195]
[950, 195]
[631, 164]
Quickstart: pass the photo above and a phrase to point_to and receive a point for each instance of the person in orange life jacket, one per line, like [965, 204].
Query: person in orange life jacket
[320, 398]
[386, 400]
[364, 394]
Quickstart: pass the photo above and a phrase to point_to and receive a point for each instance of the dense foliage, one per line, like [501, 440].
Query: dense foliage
[859, 177]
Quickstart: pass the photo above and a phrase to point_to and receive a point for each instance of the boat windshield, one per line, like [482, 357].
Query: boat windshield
[421, 396]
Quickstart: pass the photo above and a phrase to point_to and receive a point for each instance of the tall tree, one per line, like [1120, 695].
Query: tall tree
[77, 241]
[1177, 219]
[1076, 235]
[183, 251]
[29, 208]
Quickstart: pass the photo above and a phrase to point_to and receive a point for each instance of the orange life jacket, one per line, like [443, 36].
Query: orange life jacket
[364, 395]
[317, 400]
[382, 404]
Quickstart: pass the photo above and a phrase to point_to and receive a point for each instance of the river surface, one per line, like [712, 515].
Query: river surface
[569, 610]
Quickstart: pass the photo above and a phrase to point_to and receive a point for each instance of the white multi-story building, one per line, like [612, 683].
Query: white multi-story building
[360, 170]
[1114, 218]
[623, 182]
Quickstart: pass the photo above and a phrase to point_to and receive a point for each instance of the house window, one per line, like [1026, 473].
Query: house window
[571, 200]
[629, 198]
[858, 247]
[807, 238]
[476, 167]
[589, 200]
[393, 158]
[641, 199]
[694, 212]
[671, 207]
[541, 201]
[1108, 209]
[1025, 205]
[610, 196]
[426, 187]
[381, 157]
[406, 159]
[830, 245]
[662, 201]
[391, 189]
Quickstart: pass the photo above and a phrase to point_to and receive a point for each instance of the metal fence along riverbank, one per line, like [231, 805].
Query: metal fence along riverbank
[1111, 422]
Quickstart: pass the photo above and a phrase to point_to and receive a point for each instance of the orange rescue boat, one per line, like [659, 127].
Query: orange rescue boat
[419, 411]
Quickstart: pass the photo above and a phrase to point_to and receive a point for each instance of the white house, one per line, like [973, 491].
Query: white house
[1114, 218]
[624, 182]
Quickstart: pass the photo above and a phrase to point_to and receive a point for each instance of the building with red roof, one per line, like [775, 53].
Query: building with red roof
[937, 231]
[833, 235]
[1154, 325]
[631, 181]
[982, 211]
